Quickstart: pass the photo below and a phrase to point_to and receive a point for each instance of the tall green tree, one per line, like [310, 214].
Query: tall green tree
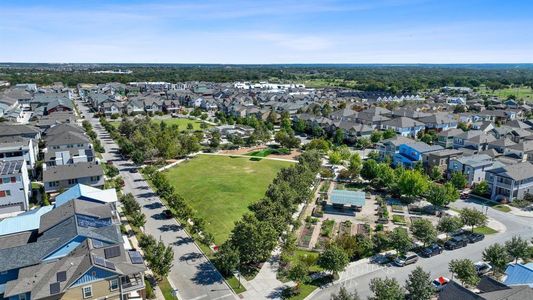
[227, 259]
[333, 259]
[449, 224]
[369, 170]
[355, 165]
[496, 254]
[441, 195]
[400, 240]
[465, 271]
[412, 184]
[472, 217]
[458, 180]
[419, 285]
[386, 288]
[345, 295]
[517, 248]
[253, 239]
[424, 231]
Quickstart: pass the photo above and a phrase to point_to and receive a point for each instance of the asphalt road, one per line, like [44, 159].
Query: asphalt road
[192, 274]
[357, 277]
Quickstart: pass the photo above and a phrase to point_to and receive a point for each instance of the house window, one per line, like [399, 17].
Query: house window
[53, 183]
[13, 179]
[2, 194]
[87, 292]
[22, 297]
[73, 181]
[113, 284]
[95, 178]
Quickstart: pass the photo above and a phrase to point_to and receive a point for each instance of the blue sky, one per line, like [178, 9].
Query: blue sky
[255, 31]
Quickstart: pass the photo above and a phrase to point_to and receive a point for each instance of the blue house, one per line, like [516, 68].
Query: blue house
[62, 249]
[410, 154]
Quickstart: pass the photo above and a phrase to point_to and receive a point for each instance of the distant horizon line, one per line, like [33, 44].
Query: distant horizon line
[270, 64]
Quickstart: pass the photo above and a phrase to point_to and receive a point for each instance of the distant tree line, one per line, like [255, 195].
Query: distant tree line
[394, 79]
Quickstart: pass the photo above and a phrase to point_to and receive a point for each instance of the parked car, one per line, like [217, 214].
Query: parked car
[382, 259]
[167, 214]
[440, 283]
[482, 268]
[475, 237]
[456, 242]
[407, 259]
[432, 250]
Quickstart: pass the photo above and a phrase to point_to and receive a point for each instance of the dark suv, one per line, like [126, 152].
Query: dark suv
[432, 250]
[456, 242]
[475, 237]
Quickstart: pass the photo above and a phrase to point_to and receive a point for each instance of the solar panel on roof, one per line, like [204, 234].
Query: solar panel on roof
[110, 265]
[112, 252]
[99, 261]
[97, 244]
[135, 257]
[54, 288]
[61, 276]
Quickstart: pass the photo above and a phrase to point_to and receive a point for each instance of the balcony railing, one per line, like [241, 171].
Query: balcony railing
[132, 282]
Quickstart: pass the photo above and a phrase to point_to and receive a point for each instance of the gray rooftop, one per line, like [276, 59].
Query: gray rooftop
[78, 170]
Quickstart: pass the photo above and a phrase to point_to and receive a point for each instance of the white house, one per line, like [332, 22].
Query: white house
[15, 187]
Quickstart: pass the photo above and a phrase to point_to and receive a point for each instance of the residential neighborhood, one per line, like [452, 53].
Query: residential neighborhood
[97, 180]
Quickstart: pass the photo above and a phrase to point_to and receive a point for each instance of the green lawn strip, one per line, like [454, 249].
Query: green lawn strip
[485, 230]
[35, 186]
[182, 123]
[220, 188]
[260, 153]
[166, 289]
[308, 288]
[305, 290]
[233, 282]
[502, 207]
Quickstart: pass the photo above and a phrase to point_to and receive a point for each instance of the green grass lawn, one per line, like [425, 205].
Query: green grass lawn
[485, 230]
[220, 188]
[182, 123]
[234, 283]
[166, 289]
[522, 92]
[502, 207]
[301, 254]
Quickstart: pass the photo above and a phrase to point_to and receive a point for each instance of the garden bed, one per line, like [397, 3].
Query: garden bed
[305, 236]
[398, 220]
[327, 228]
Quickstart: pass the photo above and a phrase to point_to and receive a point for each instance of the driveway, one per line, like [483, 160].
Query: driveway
[357, 275]
[192, 275]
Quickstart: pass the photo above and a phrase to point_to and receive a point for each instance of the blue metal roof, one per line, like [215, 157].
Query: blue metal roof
[356, 198]
[24, 222]
[519, 274]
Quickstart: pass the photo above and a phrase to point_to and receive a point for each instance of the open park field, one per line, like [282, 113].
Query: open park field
[220, 188]
[182, 123]
[522, 92]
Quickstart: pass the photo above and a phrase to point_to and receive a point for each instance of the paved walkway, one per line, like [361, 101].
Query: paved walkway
[192, 273]
[265, 285]
[248, 156]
